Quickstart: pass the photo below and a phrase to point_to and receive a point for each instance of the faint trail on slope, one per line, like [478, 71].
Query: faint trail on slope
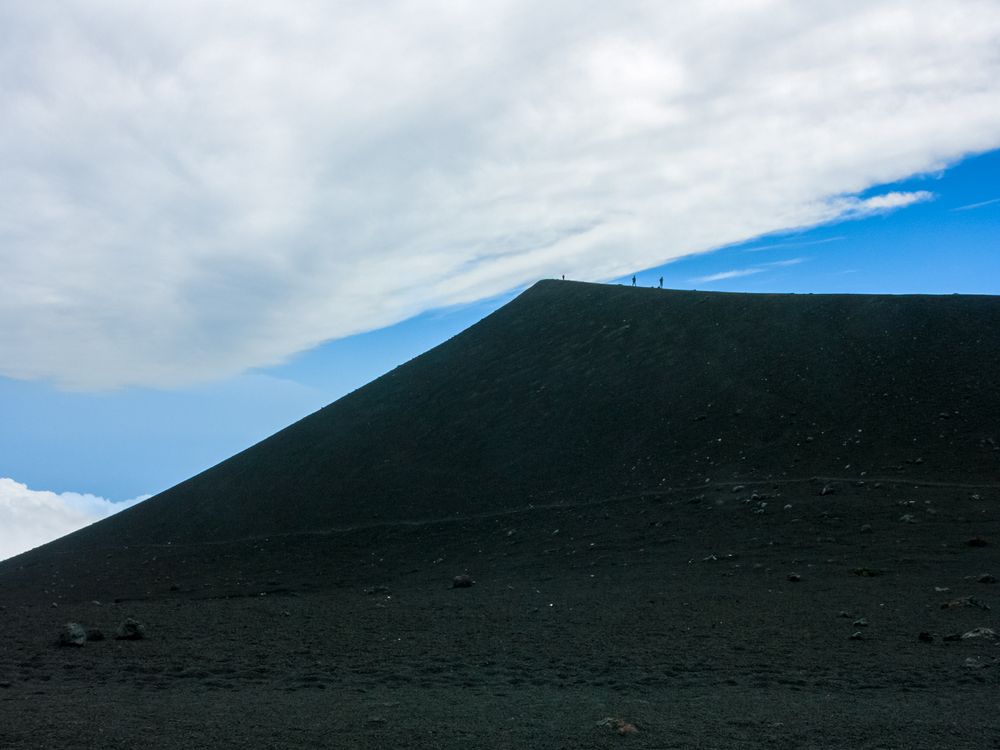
[415, 523]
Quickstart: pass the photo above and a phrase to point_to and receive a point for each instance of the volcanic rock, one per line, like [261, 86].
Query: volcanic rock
[965, 601]
[130, 630]
[987, 634]
[72, 634]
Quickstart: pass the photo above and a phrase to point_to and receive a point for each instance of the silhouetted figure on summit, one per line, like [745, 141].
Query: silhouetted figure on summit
[633, 280]
[661, 282]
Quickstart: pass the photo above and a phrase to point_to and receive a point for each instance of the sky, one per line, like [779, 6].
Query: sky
[217, 217]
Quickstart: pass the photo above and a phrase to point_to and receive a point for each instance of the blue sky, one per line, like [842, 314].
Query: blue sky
[216, 220]
[947, 244]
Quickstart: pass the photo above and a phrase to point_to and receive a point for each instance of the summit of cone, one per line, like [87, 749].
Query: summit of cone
[578, 391]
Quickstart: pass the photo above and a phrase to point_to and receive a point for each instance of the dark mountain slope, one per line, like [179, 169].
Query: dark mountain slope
[301, 592]
[581, 391]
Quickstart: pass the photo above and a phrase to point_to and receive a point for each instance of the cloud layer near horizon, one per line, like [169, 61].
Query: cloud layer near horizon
[195, 189]
[30, 518]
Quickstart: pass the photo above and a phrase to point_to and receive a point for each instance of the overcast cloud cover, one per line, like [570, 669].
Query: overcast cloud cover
[194, 188]
[30, 518]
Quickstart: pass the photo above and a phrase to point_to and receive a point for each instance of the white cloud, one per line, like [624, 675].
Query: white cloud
[194, 188]
[29, 518]
[857, 207]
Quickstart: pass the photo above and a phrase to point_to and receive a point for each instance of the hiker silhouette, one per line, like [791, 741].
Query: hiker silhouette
[633, 281]
[661, 282]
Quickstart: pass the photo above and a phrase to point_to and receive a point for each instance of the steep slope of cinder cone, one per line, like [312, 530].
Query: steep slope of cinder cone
[582, 391]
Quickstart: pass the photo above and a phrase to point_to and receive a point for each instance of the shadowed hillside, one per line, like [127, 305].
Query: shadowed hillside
[581, 391]
[709, 520]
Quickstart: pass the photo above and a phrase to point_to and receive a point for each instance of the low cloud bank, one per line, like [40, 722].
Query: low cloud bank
[30, 518]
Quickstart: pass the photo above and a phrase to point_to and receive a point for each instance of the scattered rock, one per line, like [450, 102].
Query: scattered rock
[856, 636]
[925, 637]
[977, 541]
[965, 601]
[130, 630]
[866, 528]
[94, 634]
[844, 614]
[619, 725]
[908, 518]
[985, 633]
[462, 582]
[986, 578]
[794, 577]
[828, 489]
[974, 662]
[861, 622]
[866, 572]
[373, 590]
[72, 634]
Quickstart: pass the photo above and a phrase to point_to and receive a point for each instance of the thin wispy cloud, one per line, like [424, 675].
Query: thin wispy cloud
[785, 245]
[727, 275]
[30, 518]
[981, 204]
[789, 262]
[197, 188]
[736, 273]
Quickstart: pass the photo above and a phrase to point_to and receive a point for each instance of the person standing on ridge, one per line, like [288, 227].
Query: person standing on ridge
[633, 280]
[661, 282]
